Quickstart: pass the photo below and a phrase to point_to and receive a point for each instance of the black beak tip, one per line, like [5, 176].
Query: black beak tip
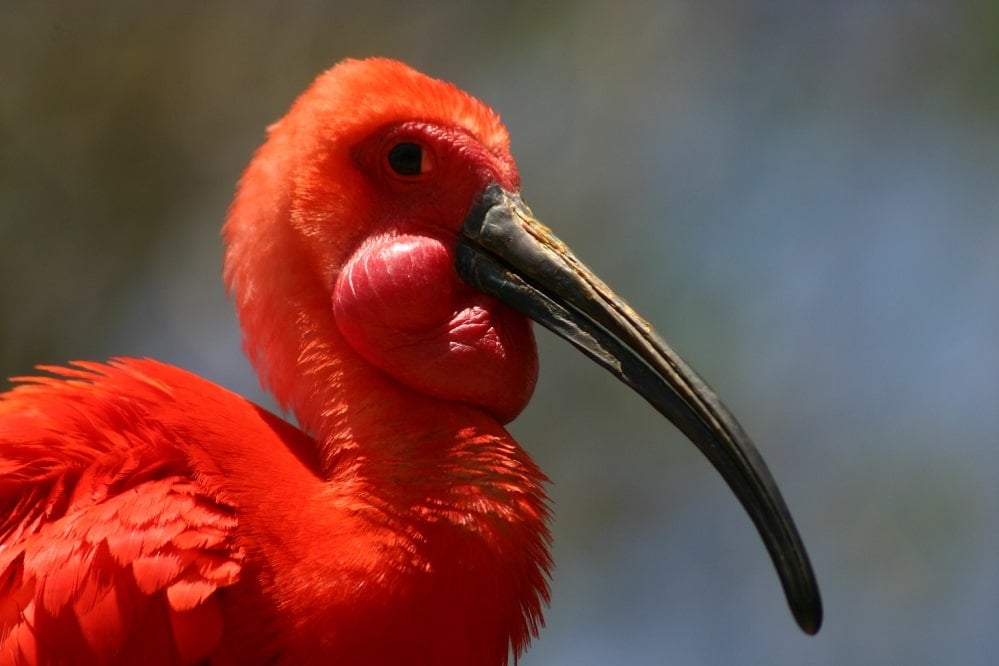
[810, 625]
[810, 618]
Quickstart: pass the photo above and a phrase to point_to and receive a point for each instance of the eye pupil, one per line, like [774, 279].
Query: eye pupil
[406, 159]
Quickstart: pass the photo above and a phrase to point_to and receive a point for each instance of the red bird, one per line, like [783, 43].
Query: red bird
[384, 270]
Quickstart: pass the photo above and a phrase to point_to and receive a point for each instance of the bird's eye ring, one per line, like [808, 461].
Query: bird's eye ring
[409, 159]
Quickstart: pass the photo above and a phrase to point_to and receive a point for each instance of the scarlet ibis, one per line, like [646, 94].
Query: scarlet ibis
[384, 268]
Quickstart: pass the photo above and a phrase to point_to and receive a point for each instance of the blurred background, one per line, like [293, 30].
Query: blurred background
[802, 197]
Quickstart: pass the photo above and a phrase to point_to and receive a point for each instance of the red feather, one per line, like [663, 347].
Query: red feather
[103, 526]
[148, 516]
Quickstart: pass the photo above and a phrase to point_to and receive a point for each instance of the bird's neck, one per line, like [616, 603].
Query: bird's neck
[369, 424]
[444, 496]
[428, 502]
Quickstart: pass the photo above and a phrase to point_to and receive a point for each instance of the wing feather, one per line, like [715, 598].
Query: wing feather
[112, 550]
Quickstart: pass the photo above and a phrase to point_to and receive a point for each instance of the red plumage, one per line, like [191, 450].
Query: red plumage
[149, 516]
[153, 517]
[111, 550]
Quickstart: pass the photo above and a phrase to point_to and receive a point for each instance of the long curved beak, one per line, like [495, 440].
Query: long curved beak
[504, 252]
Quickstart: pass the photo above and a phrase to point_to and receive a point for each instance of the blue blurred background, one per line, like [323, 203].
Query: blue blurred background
[803, 197]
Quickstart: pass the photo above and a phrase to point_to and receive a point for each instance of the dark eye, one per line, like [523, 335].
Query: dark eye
[408, 159]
